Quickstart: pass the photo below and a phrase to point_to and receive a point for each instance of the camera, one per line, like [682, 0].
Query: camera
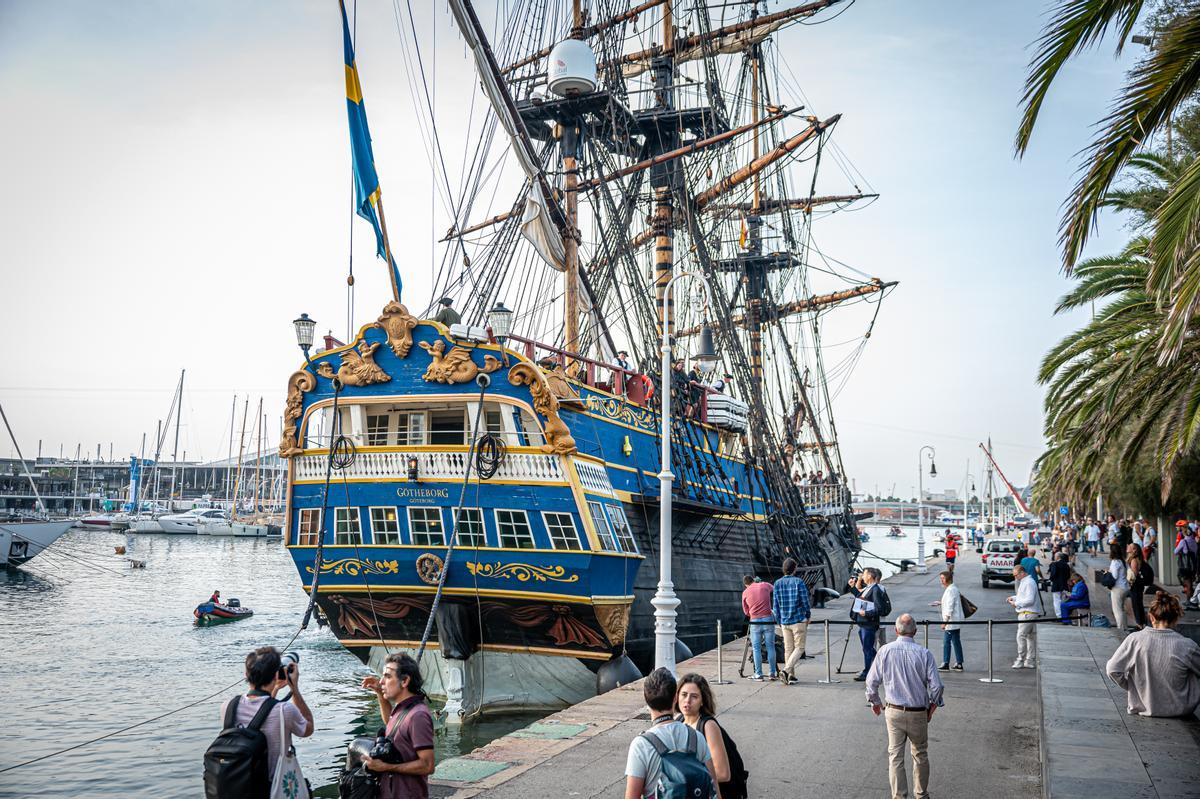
[378, 748]
[288, 662]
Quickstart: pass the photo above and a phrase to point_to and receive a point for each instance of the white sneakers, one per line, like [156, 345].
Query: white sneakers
[1019, 665]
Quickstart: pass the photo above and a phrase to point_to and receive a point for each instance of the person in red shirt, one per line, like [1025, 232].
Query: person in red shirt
[756, 604]
[951, 552]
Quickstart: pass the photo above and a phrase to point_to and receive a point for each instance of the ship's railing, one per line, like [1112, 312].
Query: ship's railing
[825, 495]
[525, 467]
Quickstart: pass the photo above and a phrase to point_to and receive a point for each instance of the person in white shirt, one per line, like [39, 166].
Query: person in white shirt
[951, 603]
[1025, 602]
[1120, 591]
[1092, 531]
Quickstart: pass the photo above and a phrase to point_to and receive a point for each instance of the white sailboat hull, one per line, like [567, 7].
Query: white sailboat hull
[22, 541]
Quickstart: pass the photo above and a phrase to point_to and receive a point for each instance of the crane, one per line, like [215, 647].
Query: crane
[1015, 494]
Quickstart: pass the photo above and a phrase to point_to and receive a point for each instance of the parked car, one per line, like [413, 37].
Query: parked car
[999, 556]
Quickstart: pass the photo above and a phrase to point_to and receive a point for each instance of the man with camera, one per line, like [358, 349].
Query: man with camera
[267, 672]
[405, 757]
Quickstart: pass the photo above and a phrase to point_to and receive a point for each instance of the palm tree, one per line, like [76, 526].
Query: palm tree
[1156, 89]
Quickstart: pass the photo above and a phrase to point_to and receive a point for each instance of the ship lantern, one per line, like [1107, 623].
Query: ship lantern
[412, 468]
[500, 321]
[572, 69]
[932, 468]
[706, 358]
[304, 331]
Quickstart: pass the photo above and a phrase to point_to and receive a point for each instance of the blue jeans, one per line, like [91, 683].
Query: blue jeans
[763, 635]
[952, 637]
[866, 636]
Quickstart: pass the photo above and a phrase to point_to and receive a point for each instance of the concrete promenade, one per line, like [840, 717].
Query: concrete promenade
[806, 739]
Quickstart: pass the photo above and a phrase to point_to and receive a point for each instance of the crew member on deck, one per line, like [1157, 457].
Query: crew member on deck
[447, 316]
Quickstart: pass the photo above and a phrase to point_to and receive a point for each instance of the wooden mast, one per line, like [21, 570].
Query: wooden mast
[808, 304]
[664, 210]
[570, 153]
[755, 276]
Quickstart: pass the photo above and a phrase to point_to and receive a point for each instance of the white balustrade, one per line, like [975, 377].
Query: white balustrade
[593, 477]
[525, 467]
[822, 496]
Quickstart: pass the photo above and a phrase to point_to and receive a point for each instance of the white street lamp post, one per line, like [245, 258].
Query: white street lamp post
[665, 602]
[921, 567]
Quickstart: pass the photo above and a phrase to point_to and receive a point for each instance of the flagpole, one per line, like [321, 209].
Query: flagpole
[387, 249]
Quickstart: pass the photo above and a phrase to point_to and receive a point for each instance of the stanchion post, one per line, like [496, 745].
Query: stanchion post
[926, 635]
[991, 661]
[720, 663]
[828, 659]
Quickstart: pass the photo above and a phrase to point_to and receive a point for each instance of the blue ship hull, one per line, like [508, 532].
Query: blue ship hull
[556, 553]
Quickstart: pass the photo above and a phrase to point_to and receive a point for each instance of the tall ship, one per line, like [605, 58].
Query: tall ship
[478, 475]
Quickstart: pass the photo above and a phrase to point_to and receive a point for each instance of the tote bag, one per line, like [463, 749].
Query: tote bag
[289, 781]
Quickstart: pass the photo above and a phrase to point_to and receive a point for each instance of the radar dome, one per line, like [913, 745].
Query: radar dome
[572, 68]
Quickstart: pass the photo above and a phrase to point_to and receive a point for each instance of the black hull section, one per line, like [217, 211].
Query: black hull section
[710, 555]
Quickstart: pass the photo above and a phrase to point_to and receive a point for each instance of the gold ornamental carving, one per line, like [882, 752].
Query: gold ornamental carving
[558, 384]
[457, 366]
[429, 568]
[621, 411]
[522, 572]
[614, 620]
[358, 367]
[354, 567]
[398, 323]
[299, 383]
[558, 435]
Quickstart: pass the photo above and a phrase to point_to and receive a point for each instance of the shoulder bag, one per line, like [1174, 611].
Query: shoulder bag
[289, 782]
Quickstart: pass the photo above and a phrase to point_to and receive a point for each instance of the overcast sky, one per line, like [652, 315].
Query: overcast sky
[175, 190]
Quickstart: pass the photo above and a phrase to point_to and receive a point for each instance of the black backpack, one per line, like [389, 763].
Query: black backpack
[735, 786]
[885, 601]
[236, 764]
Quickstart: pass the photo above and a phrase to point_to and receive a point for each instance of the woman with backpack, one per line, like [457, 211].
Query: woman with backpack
[1118, 586]
[694, 701]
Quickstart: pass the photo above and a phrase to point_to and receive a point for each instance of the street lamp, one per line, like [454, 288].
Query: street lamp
[304, 333]
[921, 567]
[665, 602]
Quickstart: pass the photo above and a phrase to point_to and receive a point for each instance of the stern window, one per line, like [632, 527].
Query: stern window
[513, 527]
[347, 528]
[425, 525]
[385, 526]
[561, 527]
[470, 528]
[447, 427]
[308, 531]
[603, 532]
[621, 527]
[377, 430]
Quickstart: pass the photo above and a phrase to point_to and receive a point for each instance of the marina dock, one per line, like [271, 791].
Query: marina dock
[810, 739]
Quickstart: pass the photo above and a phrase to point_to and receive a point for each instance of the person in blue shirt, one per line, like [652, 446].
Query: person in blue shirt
[792, 609]
[1077, 600]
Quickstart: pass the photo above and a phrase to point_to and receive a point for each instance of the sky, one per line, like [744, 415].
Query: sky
[176, 190]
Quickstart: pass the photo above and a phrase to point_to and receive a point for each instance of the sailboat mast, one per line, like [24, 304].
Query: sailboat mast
[228, 475]
[258, 459]
[175, 451]
[237, 480]
[662, 177]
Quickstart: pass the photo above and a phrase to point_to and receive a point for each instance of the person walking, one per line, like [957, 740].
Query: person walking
[791, 607]
[1158, 668]
[697, 709]
[1025, 602]
[1188, 556]
[643, 765]
[1119, 590]
[951, 604]
[1140, 576]
[756, 604]
[914, 690]
[1060, 575]
[866, 611]
[1092, 531]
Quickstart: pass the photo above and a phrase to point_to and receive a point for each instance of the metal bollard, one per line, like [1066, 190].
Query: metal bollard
[926, 635]
[828, 660]
[991, 663]
[720, 666]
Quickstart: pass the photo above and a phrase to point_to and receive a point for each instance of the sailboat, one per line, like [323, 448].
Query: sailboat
[486, 488]
[26, 537]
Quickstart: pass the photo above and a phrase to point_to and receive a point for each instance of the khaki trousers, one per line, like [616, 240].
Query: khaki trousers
[913, 727]
[794, 638]
[1026, 646]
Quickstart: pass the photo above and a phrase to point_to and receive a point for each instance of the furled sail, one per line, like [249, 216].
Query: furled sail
[728, 44]
[536, 223]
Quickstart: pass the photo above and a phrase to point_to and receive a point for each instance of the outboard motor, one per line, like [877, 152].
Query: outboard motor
[233, 602]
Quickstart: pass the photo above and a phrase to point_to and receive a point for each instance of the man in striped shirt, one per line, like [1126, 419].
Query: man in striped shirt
[791, 608]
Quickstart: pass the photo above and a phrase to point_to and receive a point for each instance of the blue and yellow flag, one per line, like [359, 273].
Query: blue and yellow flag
[366, 181]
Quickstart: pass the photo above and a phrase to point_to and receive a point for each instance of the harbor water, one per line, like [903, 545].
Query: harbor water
[91, 646]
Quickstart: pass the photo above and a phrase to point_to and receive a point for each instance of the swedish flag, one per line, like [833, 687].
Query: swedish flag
[367, 196]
